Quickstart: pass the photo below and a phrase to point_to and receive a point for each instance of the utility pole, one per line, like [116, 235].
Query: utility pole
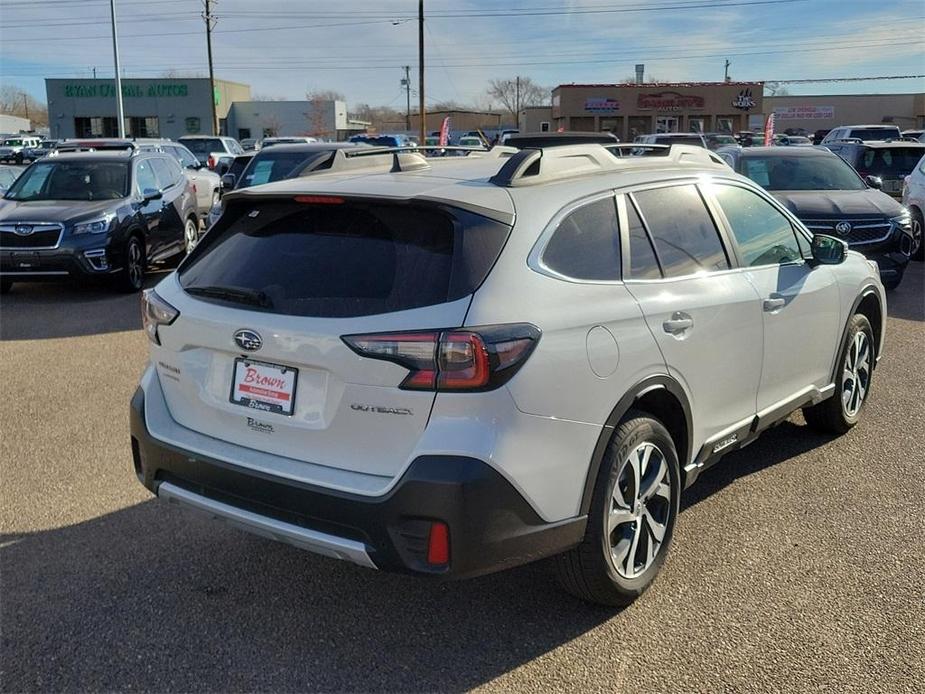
[25, 104]
[210, 23]
[120, 113]
[423, 129]
[517, 99]
[406, 83]
[726, 78]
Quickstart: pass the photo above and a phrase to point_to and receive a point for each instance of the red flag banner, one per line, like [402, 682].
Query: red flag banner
[769, 130]
[445, 132]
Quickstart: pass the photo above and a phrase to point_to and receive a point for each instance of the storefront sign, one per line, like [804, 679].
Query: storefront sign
[598, 104]
[108, 90]
[669, 101]
[805, 112]
[744, 101]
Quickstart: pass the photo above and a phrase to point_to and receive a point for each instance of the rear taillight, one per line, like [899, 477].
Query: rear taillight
[210, 162]
[155, 312]
[452, 360]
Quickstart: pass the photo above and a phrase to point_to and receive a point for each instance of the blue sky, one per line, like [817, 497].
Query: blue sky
[283, 48]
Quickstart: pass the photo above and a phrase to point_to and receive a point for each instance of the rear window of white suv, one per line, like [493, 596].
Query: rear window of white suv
[343, 258]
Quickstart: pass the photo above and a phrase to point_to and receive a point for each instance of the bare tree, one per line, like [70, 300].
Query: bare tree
[14, 101]
[324, 95]
[775, 89]
[515, 93]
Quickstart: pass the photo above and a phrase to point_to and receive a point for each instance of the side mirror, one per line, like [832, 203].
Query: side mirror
[195, 166]
[874, 182]
[828, 250]
[150, 194]
[228, 181]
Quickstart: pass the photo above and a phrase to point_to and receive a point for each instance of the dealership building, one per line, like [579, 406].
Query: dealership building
[628, 110]
[822, 112]
[152, 107]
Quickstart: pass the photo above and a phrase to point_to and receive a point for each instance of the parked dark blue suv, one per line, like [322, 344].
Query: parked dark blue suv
[96, 215]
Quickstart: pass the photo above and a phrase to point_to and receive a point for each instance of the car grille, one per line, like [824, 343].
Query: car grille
[41, 236]
[869, 230]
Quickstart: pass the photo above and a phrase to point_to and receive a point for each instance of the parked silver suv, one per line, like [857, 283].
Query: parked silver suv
[453, 366]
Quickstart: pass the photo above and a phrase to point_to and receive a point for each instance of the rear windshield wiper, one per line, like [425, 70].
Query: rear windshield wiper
[239, 295]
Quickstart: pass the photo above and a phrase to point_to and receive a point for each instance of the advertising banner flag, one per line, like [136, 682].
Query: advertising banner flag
[769, 130]
[445, 132]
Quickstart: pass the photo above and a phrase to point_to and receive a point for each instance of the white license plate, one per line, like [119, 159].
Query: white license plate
[264, 387]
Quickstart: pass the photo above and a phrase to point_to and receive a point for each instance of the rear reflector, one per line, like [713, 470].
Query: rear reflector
[452, 360]
[438, 544]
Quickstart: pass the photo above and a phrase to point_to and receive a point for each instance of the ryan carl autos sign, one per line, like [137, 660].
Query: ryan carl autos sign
[106, 89]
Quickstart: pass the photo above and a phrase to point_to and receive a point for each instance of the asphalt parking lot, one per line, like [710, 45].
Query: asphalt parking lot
[797, 564]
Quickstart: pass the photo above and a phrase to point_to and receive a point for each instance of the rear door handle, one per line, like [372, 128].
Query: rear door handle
[774, 303]
[678, 323]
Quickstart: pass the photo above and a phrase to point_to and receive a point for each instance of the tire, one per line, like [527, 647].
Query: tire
[131, 277]
[918, 230]
[5, 286]
[190, 234]
[839, 413]
[599, 569]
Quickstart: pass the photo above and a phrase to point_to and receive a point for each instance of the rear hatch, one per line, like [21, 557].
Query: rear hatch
[291, 277]
[892, 164]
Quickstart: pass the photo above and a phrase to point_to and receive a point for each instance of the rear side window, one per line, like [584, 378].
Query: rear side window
[685, 236]
[271, 166]
[345, 259]
[898, 161]
[643, 263]
[586, 244]
[204, 145]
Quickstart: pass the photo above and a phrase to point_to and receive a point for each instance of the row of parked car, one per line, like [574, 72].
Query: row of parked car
[450, 366]
[816, 185]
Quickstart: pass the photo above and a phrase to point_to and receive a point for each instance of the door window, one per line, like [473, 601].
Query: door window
[686, 239]
[167, 173]
[586, 244]
[642, 261]
[186, 159]
[144, 176]
[764, 235]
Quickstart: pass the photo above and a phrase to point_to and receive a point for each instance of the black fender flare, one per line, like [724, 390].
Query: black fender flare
[643, 387]
[867, 291]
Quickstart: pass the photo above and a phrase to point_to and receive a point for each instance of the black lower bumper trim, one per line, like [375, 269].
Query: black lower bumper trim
[492, 527]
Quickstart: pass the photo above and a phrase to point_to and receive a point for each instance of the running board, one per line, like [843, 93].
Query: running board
[297, 536]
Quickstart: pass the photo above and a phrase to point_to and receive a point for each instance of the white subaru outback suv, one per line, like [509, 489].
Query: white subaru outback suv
[457, 366]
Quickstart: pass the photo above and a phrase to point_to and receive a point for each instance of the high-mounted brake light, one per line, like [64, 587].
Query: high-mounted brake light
[319, 199]
[452, 360]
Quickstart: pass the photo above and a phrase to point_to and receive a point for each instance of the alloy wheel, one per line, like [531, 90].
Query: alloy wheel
[916, 235]
[639, 510]
[856, 374]
[135, 263]
[191, 235]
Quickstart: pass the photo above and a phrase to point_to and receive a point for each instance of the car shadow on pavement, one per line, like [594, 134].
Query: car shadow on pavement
[907, 301]
[155, 598]
[37, 311]
[776, 445]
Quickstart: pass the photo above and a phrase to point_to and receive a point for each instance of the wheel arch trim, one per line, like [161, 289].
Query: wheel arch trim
[650, 384]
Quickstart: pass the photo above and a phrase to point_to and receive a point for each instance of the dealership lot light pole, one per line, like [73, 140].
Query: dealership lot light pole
[120, 114]
[423, 129]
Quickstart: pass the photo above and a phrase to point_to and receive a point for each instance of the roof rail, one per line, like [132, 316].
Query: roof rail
[535, 166]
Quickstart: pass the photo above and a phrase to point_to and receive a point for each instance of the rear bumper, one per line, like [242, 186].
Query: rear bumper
[491, 526]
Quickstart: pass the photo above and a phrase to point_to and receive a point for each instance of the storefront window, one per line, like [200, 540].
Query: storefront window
[613, 125]
[639, 125]
[666, 124]
[724, 124]
[95, 126]
[696, 125]
[143, 126]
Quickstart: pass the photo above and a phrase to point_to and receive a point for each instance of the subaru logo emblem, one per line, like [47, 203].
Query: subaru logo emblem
[23, 229]
[248, 340]
[843, 228]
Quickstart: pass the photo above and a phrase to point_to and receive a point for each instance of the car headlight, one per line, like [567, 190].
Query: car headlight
[96, 226]
[155, 312]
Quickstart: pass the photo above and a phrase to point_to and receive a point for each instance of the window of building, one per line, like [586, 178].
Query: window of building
[764, 235]
[666, 124]
[586, 244]
[686, 239]
[95, 126]
[544, 126]
[142, 126]
[244, 133]
[724, 124]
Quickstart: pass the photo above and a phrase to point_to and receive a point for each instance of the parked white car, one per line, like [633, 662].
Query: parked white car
[914, 200]
[13, 148]
[452, 366]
